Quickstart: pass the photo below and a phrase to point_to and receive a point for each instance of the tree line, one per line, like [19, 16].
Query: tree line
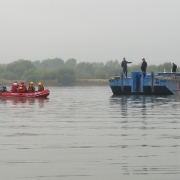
[58, 71]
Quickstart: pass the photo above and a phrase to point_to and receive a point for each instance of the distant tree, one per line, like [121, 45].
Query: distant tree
[100, 74]
[32, 75]
[71, 63]
[2, 71]
[166, 66]
[152, 68]
[99, 65]
[113, 68]
[88, 67]
[37, 63]
[10, 75]
[82, 74]
[112, 63]
[19, 67]
[66, 72]
[66, 76]
[49, 63]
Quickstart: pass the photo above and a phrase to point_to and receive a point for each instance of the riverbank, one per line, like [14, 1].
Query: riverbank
[91, 82]
[78, 82]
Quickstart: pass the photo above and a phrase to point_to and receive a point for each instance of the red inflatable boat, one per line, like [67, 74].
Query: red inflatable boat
[39, 94]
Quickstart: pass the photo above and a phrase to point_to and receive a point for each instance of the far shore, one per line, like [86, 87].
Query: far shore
[78, 82]
[91, 82]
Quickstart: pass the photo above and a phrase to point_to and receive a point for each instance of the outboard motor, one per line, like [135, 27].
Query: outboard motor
[3, 89]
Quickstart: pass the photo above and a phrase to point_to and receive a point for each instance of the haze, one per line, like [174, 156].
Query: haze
[90, 30]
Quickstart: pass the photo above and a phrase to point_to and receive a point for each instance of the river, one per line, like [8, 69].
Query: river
[85, 133]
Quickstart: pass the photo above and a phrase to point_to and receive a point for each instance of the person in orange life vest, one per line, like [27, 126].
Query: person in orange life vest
[22, 88]
[14, 87]
[40, 86]
[31, 87]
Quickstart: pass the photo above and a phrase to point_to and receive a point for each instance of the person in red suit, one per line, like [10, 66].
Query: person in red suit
[22, 88]
[31, 87]
[14, 87]
[40, 87]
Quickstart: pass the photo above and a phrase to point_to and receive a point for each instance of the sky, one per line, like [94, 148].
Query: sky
[90, 30]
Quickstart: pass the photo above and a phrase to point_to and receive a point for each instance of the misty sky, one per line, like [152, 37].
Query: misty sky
[90, 30]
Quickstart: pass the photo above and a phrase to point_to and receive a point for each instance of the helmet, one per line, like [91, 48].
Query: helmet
[39, 83]
[15, 81]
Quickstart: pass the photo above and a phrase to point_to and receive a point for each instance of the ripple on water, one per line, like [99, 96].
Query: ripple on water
[86, 133]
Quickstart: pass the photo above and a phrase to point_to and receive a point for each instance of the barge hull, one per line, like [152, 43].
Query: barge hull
[152, 84]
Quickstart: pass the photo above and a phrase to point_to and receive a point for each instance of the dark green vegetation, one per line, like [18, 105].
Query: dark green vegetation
[59, 72]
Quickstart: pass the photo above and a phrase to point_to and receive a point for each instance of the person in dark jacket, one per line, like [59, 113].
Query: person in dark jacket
[174, 67]
[143, 67]
[124, 66]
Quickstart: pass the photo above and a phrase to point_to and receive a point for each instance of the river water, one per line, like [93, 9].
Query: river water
[85, 133]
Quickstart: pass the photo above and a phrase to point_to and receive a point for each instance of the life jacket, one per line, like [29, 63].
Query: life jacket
[31, 88]
[40, 87]
[14, 88]
[22, 88]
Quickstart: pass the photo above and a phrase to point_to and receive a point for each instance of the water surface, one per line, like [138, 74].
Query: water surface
[86, 133]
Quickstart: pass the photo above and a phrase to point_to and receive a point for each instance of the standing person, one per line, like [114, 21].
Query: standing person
[124, 66]
[174, 67]
[143, 67]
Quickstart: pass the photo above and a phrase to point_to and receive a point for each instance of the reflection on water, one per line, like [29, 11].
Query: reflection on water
[85, 133]
[141, 102]
[150, 131]
[23, 100]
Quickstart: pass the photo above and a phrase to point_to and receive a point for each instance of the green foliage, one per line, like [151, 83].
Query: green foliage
[66, 72]
[87, 67]
[32, 75]
[152, 68]
[98, 65]
[19, 67]
[112, 63]
[66, 76]
[49, 63]
[71, 63]
[100, 74]
[2, 71]
[82, 74]
[10, 75]
[166, 66]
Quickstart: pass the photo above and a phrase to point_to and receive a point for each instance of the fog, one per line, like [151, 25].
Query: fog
[90, 30]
